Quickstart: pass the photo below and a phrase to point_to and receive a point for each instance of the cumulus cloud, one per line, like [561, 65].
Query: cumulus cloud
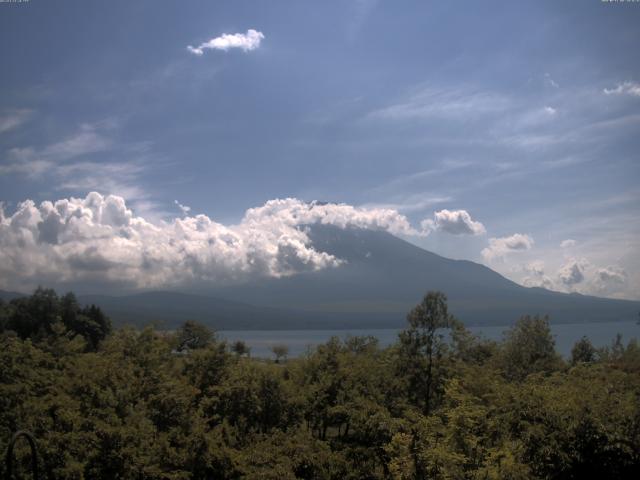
[576, 275]
[536, 276]
[580, 275]
[609, 280]
[612, 274]
[625, 88]
[10, 119]
[572, 272]
[500, 247]
[568, 243]
[455, 222]
[245, 41]
[99, 239]
[536, 267]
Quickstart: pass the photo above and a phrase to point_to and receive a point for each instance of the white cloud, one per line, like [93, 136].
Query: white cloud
[455, 222]
[536, 276]
[10, 119]
[71, 165]
[535, 267]
[611, 274]
[34, 162]
[572, 272]
[86, 140]
[23, 161]
[577, 275]
[183, 208]
[568, 243]
[245, 41]
[99, 240]
[580, 275]
[625, 88]
[550, 81]
[500, 247]
[410, 203]
[550, 110]
[445, 103]
[609, 280]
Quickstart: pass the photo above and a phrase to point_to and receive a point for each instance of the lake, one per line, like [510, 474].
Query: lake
[299, 341]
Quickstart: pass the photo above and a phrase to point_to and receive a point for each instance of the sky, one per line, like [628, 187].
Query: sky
[155, 144]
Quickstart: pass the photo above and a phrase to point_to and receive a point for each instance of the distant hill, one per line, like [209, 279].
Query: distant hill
[8, 296]
[382, 279]
[169, 309]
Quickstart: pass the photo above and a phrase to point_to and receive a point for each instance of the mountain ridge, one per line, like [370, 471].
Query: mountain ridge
[382, 278]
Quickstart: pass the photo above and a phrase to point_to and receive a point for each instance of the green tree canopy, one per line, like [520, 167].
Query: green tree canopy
[422, 350]
[193, 335]
[529, 347]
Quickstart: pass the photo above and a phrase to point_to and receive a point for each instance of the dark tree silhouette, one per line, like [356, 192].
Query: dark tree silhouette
[422, 348]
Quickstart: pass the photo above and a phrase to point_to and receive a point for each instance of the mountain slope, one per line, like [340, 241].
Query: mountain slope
[8, 296]
[169, 309]
[385, 276]
[382, 278]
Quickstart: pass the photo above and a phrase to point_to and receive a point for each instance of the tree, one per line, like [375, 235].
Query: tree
[583, 352]
[240, 348]
[93, 325]
[34, 316]
[4, 315]
[192, 336]
[280, 351]
[528, 348]
[422, 348]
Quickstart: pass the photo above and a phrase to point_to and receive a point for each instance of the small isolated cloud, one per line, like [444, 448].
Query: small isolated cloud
[550, 110]
[568, 243]
[183, 208]
[572, 272]
[625, 88]
[550, 81]
[10, 119]
[500, 247]
[245, 41]
[455, 222]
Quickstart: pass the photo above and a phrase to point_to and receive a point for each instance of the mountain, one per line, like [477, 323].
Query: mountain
[169, 309]
[8, 296]
[384, 276]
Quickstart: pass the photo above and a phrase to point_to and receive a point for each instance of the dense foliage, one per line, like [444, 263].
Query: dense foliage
[151, 405]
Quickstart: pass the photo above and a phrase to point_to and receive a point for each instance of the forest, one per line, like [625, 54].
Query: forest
[440, 403]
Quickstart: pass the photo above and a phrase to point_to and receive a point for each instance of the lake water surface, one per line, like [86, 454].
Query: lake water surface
[299, 341]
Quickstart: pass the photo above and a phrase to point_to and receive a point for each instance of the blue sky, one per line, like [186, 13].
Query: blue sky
[526, 116]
